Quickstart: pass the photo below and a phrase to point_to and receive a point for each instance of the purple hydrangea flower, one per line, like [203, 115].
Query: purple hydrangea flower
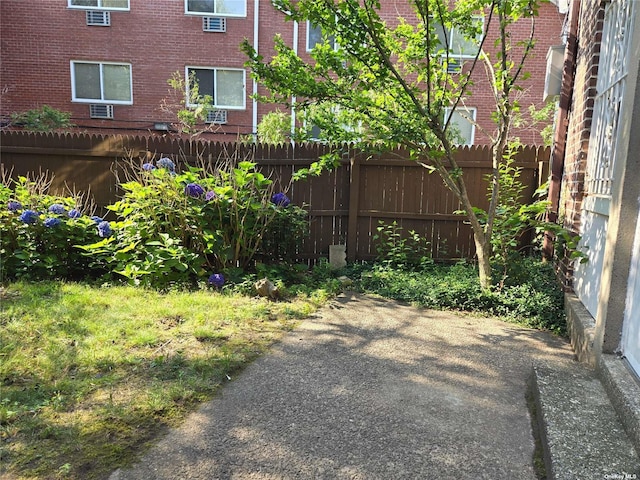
[167, 164]
[29, 217]
[280, 199]
[74, 213]
[211, 195]
[52, 222]
[97, 219]
[217, 280]
[14, 206]
[148, 166]
[57, 208]
[194, 190]
[104, 229]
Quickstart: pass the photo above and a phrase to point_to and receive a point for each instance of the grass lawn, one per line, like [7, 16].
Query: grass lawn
[90, 376]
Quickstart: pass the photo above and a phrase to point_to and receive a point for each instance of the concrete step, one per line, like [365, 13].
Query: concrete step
[581, 434]
[624, 391]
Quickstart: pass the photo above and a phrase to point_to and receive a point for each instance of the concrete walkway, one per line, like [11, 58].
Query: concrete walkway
[369, 389]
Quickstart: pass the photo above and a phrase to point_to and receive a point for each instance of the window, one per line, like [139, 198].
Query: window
[225, 86]
[314, 37]
[100, 4]
[459, 46]
[94, 82]
[611, 88]
[225, 8]
[462, 124]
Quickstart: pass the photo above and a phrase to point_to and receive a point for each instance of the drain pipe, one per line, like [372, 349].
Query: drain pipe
[562, 125]
[256, 21]
[296, 29]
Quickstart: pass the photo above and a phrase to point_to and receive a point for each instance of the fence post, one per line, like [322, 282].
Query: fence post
[354, 208]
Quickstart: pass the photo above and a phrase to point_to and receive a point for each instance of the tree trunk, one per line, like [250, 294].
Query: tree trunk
[481, 239]
[483, 251]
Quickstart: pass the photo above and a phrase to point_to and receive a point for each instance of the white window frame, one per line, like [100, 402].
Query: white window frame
[471, 112]
[215, 14]
[450, 33]
[215, 104]
[310, 27]
[99, 7]
[102, 100]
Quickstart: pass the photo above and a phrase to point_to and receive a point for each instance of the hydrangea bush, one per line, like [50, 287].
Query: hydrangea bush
[180, 226]
[171, 227]
[39, 232]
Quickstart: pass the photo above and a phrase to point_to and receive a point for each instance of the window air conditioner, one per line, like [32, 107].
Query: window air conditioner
[98, 18]
[101, 111]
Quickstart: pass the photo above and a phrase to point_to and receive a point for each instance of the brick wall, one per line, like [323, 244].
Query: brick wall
[157, 38]
[584, 91]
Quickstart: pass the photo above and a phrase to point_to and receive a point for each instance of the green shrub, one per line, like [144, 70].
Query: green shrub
[40, 232]
[44, 119]
[174, 227]
[171, 227]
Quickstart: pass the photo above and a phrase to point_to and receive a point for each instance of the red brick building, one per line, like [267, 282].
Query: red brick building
[107, 62]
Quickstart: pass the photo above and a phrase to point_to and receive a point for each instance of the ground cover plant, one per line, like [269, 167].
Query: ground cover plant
[530, 295]
[89, 375]
[525, 289]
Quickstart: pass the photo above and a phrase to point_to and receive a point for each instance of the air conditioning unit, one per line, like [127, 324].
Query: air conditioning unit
[214, 24]
[101, 111]
[98, 18]
[454, 65]
[216, 116]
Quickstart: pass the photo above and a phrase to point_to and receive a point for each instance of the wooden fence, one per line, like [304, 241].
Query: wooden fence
[345, 205]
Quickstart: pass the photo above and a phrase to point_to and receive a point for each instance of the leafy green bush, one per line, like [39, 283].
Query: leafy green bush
[174, 227]
[171, 227]
[39, 232]
[532, 297]
[42, 119]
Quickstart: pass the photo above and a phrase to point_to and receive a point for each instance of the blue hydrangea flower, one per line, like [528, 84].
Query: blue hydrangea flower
[280, 199]
[211, 195]
[74, 213]
[167, 164]
[52, 222]
[14, 206]
[104, 229]
[148, 166]
[217, 280]
[97, 219]
[194, 190]
[29, 217]
[57, 208]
